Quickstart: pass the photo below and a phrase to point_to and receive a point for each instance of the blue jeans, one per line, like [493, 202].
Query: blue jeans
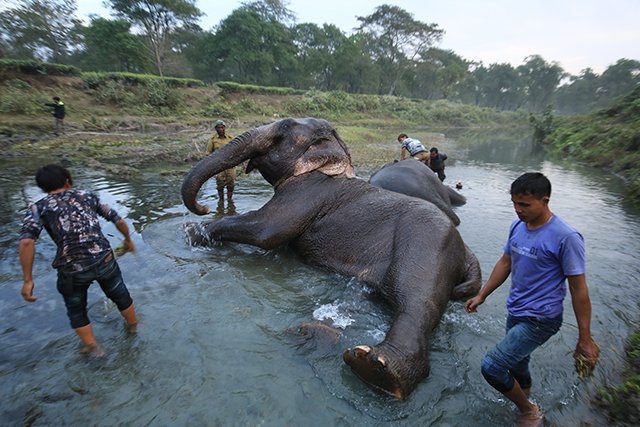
[508, 361]
[74, 287]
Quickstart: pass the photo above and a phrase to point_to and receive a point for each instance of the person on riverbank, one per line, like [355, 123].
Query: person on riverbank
[413, 146]
[58, 113]
[436, 162]
[542, 252]
[83, 253]
[225, 178]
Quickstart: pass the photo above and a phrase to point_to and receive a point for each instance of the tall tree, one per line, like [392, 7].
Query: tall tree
[272, 9]
[540, 81]
[40, 29]
[355, 72]
[579, 95]
[396, 40]
[158, 19]
[110, 46]
[617, 80]
[316, 54]
[439, 75]
[250, 47]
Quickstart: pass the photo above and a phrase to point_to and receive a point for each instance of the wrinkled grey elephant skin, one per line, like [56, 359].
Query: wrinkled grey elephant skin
[404, 247]
[414, 178]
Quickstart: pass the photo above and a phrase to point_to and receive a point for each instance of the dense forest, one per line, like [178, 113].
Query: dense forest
[390, 53]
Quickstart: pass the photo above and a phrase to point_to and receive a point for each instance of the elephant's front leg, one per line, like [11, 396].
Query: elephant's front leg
[397, 364]
[271, 226]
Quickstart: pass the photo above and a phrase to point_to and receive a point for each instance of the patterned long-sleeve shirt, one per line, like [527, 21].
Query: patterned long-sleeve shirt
[71, 219]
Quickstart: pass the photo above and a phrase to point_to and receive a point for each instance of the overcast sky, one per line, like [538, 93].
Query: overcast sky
[576, 34]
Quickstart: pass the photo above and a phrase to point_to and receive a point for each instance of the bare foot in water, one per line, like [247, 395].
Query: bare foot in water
[132, 328]
[93, 350]
[531, 418]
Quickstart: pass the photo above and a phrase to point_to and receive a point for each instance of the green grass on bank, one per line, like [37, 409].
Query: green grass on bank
[622, 402]
[101, 101]
[608, 139]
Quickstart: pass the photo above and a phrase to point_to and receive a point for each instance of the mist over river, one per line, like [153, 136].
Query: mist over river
[214, 345]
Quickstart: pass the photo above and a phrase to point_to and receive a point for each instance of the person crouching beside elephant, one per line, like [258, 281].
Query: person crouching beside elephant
[227, 178]
[413, 146]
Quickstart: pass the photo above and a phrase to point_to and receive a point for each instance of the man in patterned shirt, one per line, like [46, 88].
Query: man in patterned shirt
[83, 253]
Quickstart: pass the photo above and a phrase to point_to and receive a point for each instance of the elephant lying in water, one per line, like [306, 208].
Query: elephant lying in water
[406, 248]
[414, 178]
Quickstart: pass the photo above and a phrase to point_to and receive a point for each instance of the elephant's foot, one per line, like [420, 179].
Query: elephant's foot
[197, 234]
[375, 369]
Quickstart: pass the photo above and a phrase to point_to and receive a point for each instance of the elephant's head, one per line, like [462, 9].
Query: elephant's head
[280, 150]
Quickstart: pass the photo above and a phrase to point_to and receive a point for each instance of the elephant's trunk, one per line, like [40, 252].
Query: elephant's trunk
[241, 148]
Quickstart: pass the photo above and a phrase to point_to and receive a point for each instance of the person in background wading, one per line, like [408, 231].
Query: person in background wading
[227, 178]
[436, 162]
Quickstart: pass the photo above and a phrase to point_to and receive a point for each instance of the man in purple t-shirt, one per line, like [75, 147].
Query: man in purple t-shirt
[542, 252]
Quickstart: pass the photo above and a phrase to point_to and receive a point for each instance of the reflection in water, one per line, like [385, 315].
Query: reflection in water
[230, 209]
[212, 347]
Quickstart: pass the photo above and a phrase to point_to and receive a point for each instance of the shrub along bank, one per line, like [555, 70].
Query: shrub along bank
[609, 139]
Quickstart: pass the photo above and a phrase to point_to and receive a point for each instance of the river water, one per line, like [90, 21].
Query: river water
[215, 345]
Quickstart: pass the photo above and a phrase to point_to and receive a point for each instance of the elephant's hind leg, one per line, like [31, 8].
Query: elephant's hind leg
[472, 277]
[373, 368]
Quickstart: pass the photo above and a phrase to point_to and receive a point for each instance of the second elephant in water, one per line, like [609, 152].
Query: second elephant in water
[414, 178]
[405, 248]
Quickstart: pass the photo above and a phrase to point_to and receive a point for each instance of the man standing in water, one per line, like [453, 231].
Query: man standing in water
[226, 178]
[436, 162]
[541, 253]
[84, 254]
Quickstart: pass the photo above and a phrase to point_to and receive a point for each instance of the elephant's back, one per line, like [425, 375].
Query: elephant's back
[365, 229]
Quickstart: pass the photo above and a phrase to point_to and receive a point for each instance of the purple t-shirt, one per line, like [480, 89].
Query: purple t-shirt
[541, 260]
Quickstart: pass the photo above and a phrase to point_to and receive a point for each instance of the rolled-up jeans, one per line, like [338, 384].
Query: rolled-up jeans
[74, 289]
[508, 361]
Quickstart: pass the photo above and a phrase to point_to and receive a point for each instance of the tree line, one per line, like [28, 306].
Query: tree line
[260, 43]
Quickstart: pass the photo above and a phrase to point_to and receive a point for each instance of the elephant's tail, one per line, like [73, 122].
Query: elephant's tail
[472, 278]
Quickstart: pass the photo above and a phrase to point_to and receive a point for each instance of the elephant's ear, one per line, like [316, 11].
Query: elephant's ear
[329, 156]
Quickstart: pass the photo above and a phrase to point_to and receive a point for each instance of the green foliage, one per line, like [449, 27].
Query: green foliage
[160, 95]
[621, 402]
[543, 126]
[159, 19]
[37, 29]
[233, 87]
[110, 46]
[394, 39]
[219, 109]
[114, 92]
[20, 66]
[252, 46]
[94, 80]
[18, 97]
[150, 93]
[609, 138]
